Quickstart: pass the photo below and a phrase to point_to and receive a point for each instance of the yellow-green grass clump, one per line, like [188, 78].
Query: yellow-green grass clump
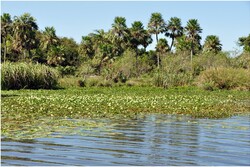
[28, 76]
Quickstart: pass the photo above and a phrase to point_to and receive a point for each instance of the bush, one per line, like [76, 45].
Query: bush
[175, 71]
[210, 60]
[224, 78]
[242, 61]
[67, 82]
[122, 69]
[28, 76]
[68, 70]
[166, 80]
[85, 69]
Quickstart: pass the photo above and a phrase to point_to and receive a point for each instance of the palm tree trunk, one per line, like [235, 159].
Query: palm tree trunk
[172, 43]
[158, 56]
[136, 61]
[158, 60]
[5, 50]
[192, 52]
[156, 36]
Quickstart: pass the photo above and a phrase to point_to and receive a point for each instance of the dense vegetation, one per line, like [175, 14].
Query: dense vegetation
[27, 75]
[119, 56]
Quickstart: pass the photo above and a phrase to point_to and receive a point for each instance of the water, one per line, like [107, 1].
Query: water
[148, 140]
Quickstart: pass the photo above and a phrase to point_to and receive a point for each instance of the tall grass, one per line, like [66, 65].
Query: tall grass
[28, 76]
[224, 78]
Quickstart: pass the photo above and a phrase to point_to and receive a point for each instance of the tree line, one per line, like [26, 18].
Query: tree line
[21, 40]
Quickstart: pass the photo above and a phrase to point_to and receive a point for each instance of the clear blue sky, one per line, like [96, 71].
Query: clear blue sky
[228, 20]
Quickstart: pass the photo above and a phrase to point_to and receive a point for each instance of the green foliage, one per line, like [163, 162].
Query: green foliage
[28, 76]
[208, 60]
[24, 36]
[242, 61]
[123, 68]
[212, 44]
[69, 82]
[68, 70]
[156, 24]
[174, 29]
[193, 31]
[245, 42]
[86, 68]
[224, 78]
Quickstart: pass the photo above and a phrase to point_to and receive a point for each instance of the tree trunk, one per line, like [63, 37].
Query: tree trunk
[172, 43]
[5, 50]
[158, 56]
[192, 52]
[158, 60]
[136, 61]
[156, 36]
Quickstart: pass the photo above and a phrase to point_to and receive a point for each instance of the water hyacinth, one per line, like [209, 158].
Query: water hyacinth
[25, 108]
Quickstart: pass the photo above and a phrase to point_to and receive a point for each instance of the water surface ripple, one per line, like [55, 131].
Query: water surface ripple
[149, 140]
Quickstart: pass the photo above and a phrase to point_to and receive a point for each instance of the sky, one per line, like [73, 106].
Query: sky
[229, 20]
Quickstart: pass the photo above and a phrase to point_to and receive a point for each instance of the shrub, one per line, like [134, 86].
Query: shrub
[68, 70]
[82, 83]
[122, 69]
[242, 61]
[94, 80]
[224, 78]
[166, 80]
[210, 60]
[85, 69]
[28, 75]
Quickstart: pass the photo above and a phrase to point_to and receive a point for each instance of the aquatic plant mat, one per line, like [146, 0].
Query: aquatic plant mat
[42, 113]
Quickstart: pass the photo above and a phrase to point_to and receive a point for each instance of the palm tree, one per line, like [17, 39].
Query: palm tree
[147, 39]
[136, 32]
[182, 44]
[6, 30]
[161, 48]
[174, 29]
[119, 29]
[86, 47]
[193, 29]
[156, 25]
[49, 38]
[212, 44]
[25, 28]
[245, 42]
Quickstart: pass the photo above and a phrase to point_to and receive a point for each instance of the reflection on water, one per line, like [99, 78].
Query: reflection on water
[148, 140]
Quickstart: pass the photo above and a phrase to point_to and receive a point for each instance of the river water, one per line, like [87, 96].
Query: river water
[149, 140]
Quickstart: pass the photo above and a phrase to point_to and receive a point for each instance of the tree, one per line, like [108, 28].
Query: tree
[56, 56]
[25, 28]
[147, 39]
[212, 44]
[137, 38]
[86, 49]
[49, 38]
[70, 52]
[193, 30]
[161, 48]
[119, 29]
[156, 25]
[6, 31]
[137, 34]
[174, 29]
[245, 42]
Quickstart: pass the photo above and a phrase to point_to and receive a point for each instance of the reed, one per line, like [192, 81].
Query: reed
[28, 76]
